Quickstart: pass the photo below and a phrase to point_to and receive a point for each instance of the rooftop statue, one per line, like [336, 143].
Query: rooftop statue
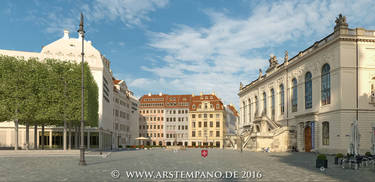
[273, 63]
[341, 21]
[286, 56]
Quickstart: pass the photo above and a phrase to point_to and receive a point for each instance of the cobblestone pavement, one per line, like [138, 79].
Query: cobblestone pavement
[272, 166]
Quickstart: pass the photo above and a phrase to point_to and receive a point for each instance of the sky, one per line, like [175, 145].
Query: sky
[182, 46]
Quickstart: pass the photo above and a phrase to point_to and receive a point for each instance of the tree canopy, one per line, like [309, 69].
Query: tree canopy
[46, 92]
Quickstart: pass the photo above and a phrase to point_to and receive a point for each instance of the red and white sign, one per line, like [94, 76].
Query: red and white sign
[204, 153]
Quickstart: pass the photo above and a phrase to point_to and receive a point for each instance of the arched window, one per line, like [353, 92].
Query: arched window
[282, 96]
[326, 85]
[294, 95]
[264, 103]
[325, 133]
[249, 103]
[256, 106]
[308, 91]
[273, 103]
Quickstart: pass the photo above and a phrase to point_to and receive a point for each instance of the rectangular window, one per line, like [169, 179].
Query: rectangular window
[211, 124]
[199, 124]
[217, 124]
[193, 116]
[325, 133]
[217, 133]
[193, 133]
[193, 124]
[205, 124]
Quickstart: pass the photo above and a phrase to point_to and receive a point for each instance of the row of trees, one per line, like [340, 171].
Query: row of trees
[47, 92]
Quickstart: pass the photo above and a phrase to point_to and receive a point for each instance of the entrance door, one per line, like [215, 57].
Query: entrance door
[308, 144]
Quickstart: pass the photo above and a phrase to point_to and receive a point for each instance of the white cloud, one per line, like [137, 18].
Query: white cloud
[130, 12]
[219, 56]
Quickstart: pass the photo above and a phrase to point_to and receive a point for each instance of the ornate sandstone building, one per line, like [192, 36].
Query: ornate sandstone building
[309, 102]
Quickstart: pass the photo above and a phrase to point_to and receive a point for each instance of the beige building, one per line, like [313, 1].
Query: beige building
[310, 101]
[69, 49]
[206, 121]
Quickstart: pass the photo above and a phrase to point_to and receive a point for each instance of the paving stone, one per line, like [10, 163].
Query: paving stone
[273, 166]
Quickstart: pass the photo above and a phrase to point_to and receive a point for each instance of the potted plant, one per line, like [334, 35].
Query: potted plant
[368, 154]
[321, 161]
[338, 158]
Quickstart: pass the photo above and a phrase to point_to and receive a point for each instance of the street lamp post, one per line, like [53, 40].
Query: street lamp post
[82, 161]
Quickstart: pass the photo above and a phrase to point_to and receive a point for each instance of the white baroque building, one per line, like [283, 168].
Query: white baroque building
[310, 101]
[103, 136]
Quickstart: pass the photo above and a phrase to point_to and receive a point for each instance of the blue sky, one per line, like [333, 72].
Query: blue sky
[182, 46]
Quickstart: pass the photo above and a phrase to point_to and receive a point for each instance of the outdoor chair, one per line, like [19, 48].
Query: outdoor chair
[352, 162]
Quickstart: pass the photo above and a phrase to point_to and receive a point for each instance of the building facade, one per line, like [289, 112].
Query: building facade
[310, 101]
[126, 116]
[152, 108]
[207, 120]
[69, 49]
[180, 116]
[176, 119]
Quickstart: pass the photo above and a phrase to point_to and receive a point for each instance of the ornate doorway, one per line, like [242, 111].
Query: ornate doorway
[308, 143]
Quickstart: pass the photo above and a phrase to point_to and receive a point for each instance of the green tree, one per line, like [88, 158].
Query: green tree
[46, 92]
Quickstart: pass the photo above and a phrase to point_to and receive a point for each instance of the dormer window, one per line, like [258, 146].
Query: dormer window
[217, 106]
[193, 106]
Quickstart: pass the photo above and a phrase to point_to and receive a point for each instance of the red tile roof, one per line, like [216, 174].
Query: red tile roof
[212, 99]
[178, 101]
[233, 110]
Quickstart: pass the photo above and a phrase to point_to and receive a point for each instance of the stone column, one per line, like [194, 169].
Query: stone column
[64, 135]
[50, 138]
[16, 134]
[27, 135]
[35, 137]
[70, 135]
[43, 137]
[88, 139]
[76, 137]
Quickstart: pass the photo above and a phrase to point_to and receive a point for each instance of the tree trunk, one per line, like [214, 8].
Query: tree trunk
[27, 135]
[42, 136]
[64, 139]
[16, 134]
[35, 137]
[70, 135]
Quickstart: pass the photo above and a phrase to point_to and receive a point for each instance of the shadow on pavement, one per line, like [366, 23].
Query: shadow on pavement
[306, 161]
